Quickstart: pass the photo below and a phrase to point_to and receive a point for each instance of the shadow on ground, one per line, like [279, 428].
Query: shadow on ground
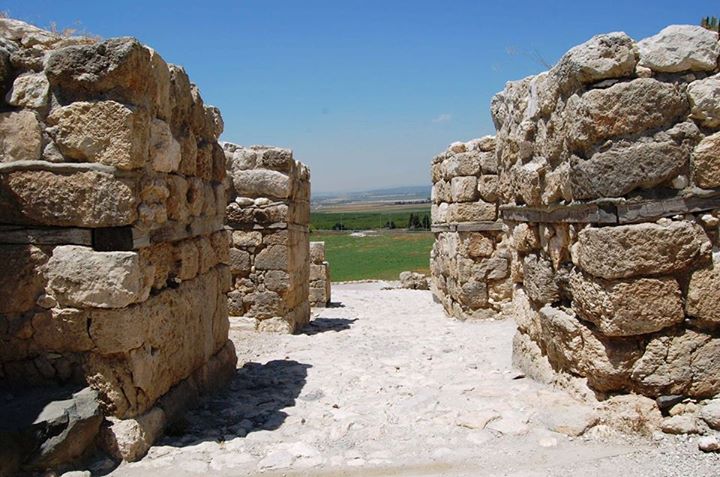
[322, 325]
[253, 401]
[335, 304]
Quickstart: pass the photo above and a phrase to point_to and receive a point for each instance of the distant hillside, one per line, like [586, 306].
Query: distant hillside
[391, 195]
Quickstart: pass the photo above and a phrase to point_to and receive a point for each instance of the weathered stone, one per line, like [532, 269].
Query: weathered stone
[79, 276]
[261, 183]
[704, 287]
[20, 137]
[130, 439]
[703, 95]
[680, 363]
[642, 249]
[539, 279]
[29, 90]
[573, 347]
[631, 413]
[680, 48]
[612, 55]
[274, 257]
[165, 151]
[682, 424]
[710, 413]
[414, 281]
[317, 252]
[464, 188]
[622, 109]
[487, 187]
[41, 197]
[706, 161]
[620, 170]
[462, 164]
[106, 132]
[471, 212]
[20, 289]
[709, 444]
[627, 307]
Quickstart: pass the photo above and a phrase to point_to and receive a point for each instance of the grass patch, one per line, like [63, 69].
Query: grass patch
[367, 219]
[381, 256]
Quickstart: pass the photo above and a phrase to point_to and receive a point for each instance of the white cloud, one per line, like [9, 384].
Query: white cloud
[443, 118]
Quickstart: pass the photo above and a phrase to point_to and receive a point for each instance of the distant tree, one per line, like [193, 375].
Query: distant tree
[338, 226]
[426, 222]
[411, 220]
[392, 225]
[389, 224]
[710, 23]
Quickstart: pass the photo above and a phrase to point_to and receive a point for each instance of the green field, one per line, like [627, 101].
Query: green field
[366, 219]
[381, 256]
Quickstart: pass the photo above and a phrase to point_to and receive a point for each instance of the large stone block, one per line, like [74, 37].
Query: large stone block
[23, 280]
[702, 293]
[464, 188]
[703, 95]
[612, 55]
[642, 249]
[20, 137]
[81, 277]
[471, 212]
[706, 160]
[682, 363]
[106, 132]
[80, 199]
[625, 108]
[573, 347]
[620, 170]
[539, 279]
[261, 183]
[680, 48]
[29, 90]
[627, 307]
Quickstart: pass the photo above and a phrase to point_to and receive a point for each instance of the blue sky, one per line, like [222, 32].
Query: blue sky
[364, 91]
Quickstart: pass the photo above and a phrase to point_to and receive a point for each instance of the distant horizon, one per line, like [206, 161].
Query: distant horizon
[365, 92]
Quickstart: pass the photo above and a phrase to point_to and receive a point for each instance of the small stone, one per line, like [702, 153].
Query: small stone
[709, 444]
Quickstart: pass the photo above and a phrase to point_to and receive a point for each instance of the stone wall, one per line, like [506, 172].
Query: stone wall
[609, 180]
[470, 260]
[319, 276]
[269, 212]
[111, 211]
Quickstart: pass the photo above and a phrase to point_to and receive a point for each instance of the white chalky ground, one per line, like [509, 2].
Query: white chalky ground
[385, 384]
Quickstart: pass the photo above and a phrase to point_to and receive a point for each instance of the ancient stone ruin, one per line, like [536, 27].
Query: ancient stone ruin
[111, 204]
[470, 260]
[319, 276]
[608, 177]
[268, 210]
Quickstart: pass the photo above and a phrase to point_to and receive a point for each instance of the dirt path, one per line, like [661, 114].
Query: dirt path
[385, 384]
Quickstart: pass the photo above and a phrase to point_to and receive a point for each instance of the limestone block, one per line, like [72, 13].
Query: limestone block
[622, 109]
[261, 183]
[573, 347]
[187, 259]
[642, 249]
[62, 330]
[479, 245]
[471, 212]
[631, 413]
[627, 307]
[120, 69]
[413, 281]
[525, 238]
[29, 90]
[176, 204]
[680, 48]
[130, 439]
[79, 276]
[706, 161]
[463, 164]
[439, 213]
[702, 293]
[98, 199]
[276, 159]
[539, 279]
[165, 150]
[274, 257]
[317, 252]
[243, 239]
[20, 137]
[682, 363]
[464, 188]
[279, 281]
[487, 187]
[23, 280]
[474, 294]
[620, 170]
[106, 132]
[703, 95]
[612, 55]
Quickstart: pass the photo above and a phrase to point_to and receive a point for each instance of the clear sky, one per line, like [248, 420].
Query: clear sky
[364, 91]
